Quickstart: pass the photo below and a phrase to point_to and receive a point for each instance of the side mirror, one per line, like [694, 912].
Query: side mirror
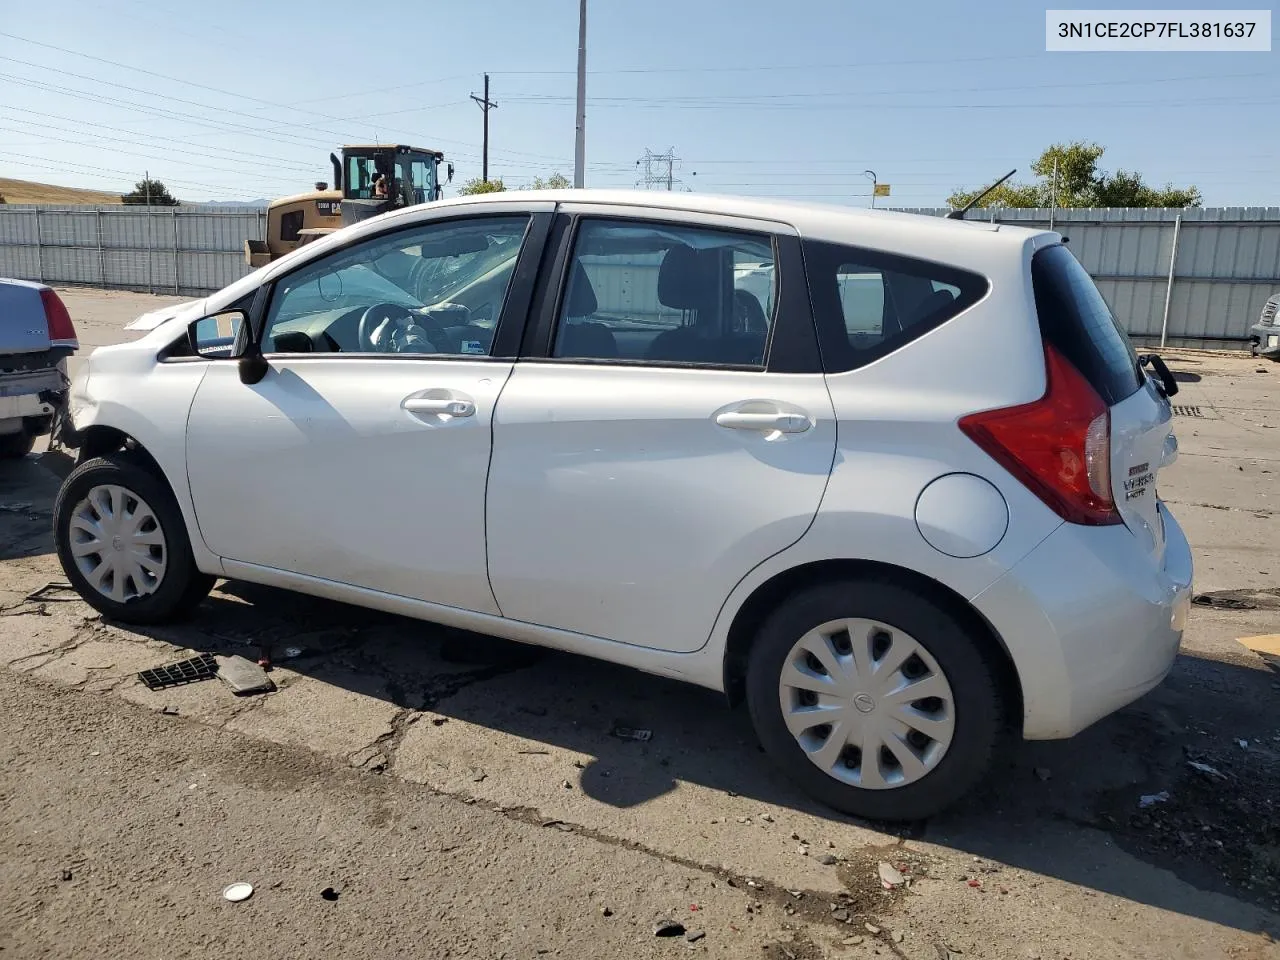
[214, 337]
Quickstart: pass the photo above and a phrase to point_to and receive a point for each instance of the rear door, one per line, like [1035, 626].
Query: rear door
[1075, 318]
[667, 429]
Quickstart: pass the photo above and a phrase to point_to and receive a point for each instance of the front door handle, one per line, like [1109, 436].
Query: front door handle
[438, 406]
[764, 422]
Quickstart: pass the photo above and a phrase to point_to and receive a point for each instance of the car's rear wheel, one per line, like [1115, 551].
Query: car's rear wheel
[14, 446]
[123, 544]
[874, 699]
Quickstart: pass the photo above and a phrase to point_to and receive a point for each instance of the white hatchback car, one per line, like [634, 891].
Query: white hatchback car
[890, 479]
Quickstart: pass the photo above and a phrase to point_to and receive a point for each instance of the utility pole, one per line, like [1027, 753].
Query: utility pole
[1053, 203]
[485, 106]
[146, 187]
[580, 141]
[871, 174]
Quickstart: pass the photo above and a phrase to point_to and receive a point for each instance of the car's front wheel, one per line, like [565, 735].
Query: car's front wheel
[874, 699]
[123, 544]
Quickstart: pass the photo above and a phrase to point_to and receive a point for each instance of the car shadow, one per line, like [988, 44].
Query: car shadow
[1071, 810]
[27, 493]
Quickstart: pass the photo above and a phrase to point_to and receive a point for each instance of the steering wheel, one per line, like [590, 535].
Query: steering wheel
[398, 338]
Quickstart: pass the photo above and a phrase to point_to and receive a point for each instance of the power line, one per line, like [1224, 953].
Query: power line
[653, 176]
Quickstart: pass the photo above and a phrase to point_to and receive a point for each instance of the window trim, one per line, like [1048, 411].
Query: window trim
[539, 341]
[513, 312]
[838, 355]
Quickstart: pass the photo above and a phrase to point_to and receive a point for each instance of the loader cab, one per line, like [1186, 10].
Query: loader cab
[376, 179]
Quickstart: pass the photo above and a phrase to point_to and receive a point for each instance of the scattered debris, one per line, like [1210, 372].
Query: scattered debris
[840, 914]
[744, 819]
[328, 893]
[236, 892]
[871, 928]
[853, 941]
[693, 936]
[478, 775]
[1043, 773]
[1151, 799]
[798, 894]
[631, 733]
[244, 676]
[55, 591]
[1243, 744]
[976, 884]
[668, 928]
[566, 784]
[535, 753]
[606, 911]
[203, 667]
[898, 936]
[292, 653]
[1207, 770]
[439, 721]
[169, 711]
[65, 875]
[767, 817]
[827, 860]
[802, 850]
[890, 877]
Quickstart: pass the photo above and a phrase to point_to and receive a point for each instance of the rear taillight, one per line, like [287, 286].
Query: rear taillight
[62, 332]
[1059, 446]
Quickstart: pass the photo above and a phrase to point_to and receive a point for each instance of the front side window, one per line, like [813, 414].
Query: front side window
[434, 289]
[424, 187]
[869, 304]
[667, 294]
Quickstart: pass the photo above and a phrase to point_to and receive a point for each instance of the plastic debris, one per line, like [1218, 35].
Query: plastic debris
[235, 892]
[292, 653]
[632, 733]
[1151, 799]
[243, 676]
[1243, 744]
[890, 877]
[203, 667]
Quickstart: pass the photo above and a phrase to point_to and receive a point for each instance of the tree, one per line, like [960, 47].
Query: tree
[480, 185]
[1080, 184]
[155, 190]
[557, 181]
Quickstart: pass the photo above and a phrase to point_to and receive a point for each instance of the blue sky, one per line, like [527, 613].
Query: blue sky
[244, 100]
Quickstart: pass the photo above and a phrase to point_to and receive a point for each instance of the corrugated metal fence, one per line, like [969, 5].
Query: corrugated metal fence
[1199, 277]
[181, 250]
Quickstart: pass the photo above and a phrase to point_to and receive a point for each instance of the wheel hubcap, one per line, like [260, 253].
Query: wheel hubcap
[118, 545]
[867, 703]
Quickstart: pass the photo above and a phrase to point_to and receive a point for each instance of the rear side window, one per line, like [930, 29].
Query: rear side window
[1076, 319]
[869, 304]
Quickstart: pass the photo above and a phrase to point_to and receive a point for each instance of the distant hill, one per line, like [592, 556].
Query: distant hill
[26, 191]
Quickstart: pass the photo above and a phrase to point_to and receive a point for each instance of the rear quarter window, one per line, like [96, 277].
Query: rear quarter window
[868, 304]
[1076, 320]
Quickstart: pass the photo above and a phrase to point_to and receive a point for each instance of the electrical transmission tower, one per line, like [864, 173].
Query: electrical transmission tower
[659, 170]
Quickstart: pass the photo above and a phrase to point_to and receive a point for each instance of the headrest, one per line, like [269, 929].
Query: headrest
[580, 301]
[687, 278]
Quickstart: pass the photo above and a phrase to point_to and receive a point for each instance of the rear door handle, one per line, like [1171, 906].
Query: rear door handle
[764, 422]
[434, 406]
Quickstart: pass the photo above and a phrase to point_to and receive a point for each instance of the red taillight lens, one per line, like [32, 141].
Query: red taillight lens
[1059, 445]
[62, 332]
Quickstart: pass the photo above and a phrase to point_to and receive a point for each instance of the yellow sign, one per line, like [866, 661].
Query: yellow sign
[882, 189]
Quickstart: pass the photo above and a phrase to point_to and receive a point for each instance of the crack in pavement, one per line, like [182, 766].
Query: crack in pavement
[82, 634]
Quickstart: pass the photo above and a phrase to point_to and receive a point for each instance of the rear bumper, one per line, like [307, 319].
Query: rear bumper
[1090, 622]
[31, 395]
[1266, 340]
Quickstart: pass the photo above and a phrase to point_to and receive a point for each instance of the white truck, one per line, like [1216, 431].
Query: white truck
[36, 338]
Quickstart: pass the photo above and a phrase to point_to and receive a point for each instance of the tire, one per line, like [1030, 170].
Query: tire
[975, 711]
[15, 446]
[143, 597]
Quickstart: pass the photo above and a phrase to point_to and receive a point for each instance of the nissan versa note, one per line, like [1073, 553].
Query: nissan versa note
[889, 479]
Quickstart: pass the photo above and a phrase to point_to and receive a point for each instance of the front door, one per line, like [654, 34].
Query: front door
[657, 451]
[361, 457]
